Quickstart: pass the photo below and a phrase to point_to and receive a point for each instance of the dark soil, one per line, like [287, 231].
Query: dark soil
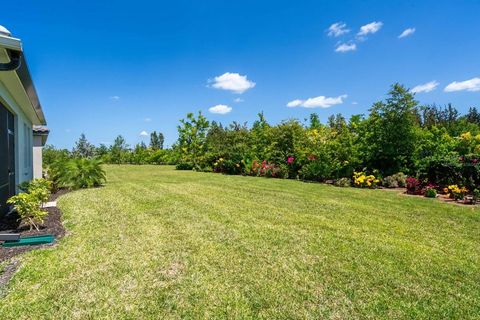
[52, 225]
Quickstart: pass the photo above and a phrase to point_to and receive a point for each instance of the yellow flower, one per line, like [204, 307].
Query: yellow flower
[466, 136]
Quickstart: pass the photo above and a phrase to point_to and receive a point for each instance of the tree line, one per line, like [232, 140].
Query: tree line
[434, 143]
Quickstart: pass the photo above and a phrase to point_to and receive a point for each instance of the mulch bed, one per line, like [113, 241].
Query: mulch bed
[10, 224]
[52, 225]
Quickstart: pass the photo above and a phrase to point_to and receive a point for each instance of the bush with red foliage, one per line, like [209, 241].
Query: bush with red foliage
[415, 186]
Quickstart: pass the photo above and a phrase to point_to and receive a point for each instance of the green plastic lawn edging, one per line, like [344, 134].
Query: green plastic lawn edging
[30, 241]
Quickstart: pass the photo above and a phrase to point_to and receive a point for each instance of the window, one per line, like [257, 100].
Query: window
[25, 146]
[27, 149]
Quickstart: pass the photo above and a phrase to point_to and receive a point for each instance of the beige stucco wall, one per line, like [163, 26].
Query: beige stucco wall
[37, 157]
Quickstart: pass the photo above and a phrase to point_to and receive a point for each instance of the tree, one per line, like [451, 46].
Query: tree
[50, 154]
[83, 148]
[118, 150]
[192, 133]
[315, 121]
[101, 151]
[473, 116]
[261, 138]
[161, 140]
[156, 140]
[390, 139]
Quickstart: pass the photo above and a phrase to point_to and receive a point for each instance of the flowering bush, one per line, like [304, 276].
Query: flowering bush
[456, 192]
[361, 180]
[414, 186]
[227, 166]
[266, 169]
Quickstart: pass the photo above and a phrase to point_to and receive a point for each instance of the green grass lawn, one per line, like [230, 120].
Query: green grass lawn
[158, 243]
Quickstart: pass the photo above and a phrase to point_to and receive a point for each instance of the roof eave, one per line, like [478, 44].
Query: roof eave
[10, 43]
[24, 76]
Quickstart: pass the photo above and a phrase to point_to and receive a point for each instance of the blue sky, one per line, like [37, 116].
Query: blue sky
[107, 68]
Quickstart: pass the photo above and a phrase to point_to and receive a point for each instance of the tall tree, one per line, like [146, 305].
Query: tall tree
[192, 133]
[156, 140]
[118, 150]
[83, 148]
[161, 140]
[391, 136]
[314, 121]
[473, 116]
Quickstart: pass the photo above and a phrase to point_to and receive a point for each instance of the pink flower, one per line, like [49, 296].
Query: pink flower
[290, 160]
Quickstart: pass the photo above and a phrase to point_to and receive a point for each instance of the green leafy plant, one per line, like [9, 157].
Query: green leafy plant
[476, 195]
[77, 173]
[40, 187]
[184, 166]
[28, 207]
[430, 193]
[315, 170]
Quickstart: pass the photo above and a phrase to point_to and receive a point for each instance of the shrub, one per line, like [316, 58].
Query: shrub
[394, 181]
[430, 192]
[476, 195]
[470, 170]
[227, 166]
[343, 182]
[390, 182]
[77, 173]
[28, 208]
[361, 180]
[443, 170]
[415, 186]
[40, 187]
[184, 166]
[456, 192]
[269, 170]
[315, 170]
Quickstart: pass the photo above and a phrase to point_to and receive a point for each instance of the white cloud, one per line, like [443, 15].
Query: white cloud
[233, 82]
[238, 100]
[144, 133]
[148, 119]
[345, 47]
[407, 32]
[337, 29]
[295, 103]
[317, 102]
[220, 109]
[114, 98]
[468, 85]
[354, 102]
[371, 27]
[426, 87]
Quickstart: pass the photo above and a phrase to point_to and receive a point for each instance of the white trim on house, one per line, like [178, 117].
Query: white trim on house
[10, 43]
[18, 95]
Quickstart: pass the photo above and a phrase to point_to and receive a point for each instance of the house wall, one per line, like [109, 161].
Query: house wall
[37, 157]
[23, 137]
